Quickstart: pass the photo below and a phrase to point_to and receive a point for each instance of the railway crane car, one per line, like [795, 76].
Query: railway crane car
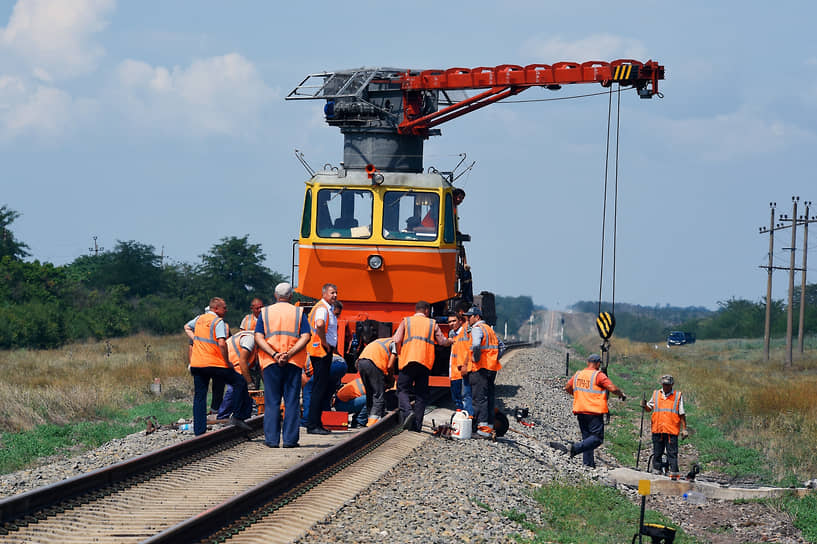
[379, 225]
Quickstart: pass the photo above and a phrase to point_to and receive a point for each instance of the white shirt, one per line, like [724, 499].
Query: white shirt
[321, 313]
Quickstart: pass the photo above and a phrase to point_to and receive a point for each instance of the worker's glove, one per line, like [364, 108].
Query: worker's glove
[684, 434]
[623, 397]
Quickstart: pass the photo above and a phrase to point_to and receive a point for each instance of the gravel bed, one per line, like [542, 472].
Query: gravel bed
[461, 491]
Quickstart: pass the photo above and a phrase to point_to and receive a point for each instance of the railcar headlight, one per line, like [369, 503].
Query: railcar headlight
[375, 262]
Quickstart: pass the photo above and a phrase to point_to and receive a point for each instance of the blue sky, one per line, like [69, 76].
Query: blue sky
[165, 123]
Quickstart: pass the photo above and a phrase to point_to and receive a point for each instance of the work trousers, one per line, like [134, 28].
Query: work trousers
[321, 392]
[201, 383]
[225, 410]
[281, 382]
[592, 428]
[461, 395]
[662, 442]
[374, 382]
[413, 380]
[356, 407]
[483, 390]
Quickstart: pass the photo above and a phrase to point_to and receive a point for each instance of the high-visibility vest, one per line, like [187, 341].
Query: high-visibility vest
[282, 329]
[665, 416]
[351, 390]
[315, 348]
[588, 398]
[234, 350]
[460, 353]
[488, 349]
[248, 323]
[418, 341]
[206, 351]
[379, 353]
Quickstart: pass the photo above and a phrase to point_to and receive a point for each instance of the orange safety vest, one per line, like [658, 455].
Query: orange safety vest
[282, 329]
[248, 323]
[588, 398]
[206, 351]
[460, 353]
[418, 341]
[315, 348]
[489, 349]
[234, 351]
[665, 416]
[351, 390]
[379, 353]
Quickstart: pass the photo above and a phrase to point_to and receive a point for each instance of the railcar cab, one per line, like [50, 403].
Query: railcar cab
[386, 239]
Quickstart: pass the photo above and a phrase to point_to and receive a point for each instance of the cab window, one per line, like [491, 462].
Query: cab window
[448, 226]
[410, 215]
[344, 213]
[306, 218]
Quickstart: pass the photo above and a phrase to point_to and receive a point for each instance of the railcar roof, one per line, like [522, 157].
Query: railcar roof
[359, 178]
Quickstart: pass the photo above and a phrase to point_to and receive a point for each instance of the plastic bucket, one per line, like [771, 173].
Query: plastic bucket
[461, 425]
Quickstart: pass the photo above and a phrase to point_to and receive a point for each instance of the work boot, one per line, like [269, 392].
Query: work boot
[408, 423]
[572, 452]
[371, 421]
[558, 446]
[240, 424]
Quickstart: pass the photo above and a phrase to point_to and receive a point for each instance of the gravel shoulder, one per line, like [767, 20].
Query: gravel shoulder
[458, 491]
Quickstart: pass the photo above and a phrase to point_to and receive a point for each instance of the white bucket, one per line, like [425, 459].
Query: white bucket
[461, 425]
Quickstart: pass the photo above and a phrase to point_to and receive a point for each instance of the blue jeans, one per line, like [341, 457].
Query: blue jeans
[201, 383]
[281, 382]
[461, 395]
[356, 407]
[226, 408]
[592, 428]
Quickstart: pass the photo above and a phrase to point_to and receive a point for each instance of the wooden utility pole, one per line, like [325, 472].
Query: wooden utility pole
[96, 249]
[789, 320]
[767, 329]
[802, 325]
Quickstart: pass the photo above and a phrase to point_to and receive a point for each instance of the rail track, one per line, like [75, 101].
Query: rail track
[212, 488]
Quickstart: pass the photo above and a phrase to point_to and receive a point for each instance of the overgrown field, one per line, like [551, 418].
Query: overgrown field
[82, 395]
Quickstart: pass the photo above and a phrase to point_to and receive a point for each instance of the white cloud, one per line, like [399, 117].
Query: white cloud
[597, 47]
[55, 37]
[36, 109]
[217, 95]
[732, 136]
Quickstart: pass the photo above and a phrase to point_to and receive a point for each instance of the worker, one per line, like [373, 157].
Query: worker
[282, 333]
[377, 363]
[416, 359]
[668, 421]
[209, 360]
[484, 364]
[243, 356]
[218, 384]
[458, 368]
[322, 344]
[337, 370]
[590, 387]
[248, 323]
[351, 397]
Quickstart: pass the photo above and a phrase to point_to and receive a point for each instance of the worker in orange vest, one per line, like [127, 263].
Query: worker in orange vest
[249, 321]
[669, 420]
[324, 342]
[209, 360]
[376, 362]
[590, 388]
[351, 397]
[483, 366]
[415, 338]
[243, 356]
[281, 335]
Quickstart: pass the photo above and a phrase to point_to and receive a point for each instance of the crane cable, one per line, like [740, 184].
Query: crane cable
[605, 322]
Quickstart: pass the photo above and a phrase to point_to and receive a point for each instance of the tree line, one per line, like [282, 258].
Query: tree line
[734, 318]
[120, 292]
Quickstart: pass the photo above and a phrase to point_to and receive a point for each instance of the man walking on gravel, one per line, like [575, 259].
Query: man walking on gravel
[590, 388]
[668, 421]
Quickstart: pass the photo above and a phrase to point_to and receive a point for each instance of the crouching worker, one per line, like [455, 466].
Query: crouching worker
[242, 353]
[376, 364]
[668, 421]
[351, 398]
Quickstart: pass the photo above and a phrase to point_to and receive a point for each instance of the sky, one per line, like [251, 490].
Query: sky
[165, 123]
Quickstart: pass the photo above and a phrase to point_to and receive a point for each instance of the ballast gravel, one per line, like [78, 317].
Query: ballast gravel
[473, 491]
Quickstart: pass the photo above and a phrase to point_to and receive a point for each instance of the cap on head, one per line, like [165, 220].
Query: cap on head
[474, 310]
[594, 358]
[666, 379]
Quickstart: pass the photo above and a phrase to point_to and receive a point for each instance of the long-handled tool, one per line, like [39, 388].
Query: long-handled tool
[641, 430]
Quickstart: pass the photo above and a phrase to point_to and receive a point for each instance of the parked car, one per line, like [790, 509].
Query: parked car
[679, 338]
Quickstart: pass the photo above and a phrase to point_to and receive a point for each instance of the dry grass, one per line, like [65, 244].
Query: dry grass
[756, 403]
[85, 382]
